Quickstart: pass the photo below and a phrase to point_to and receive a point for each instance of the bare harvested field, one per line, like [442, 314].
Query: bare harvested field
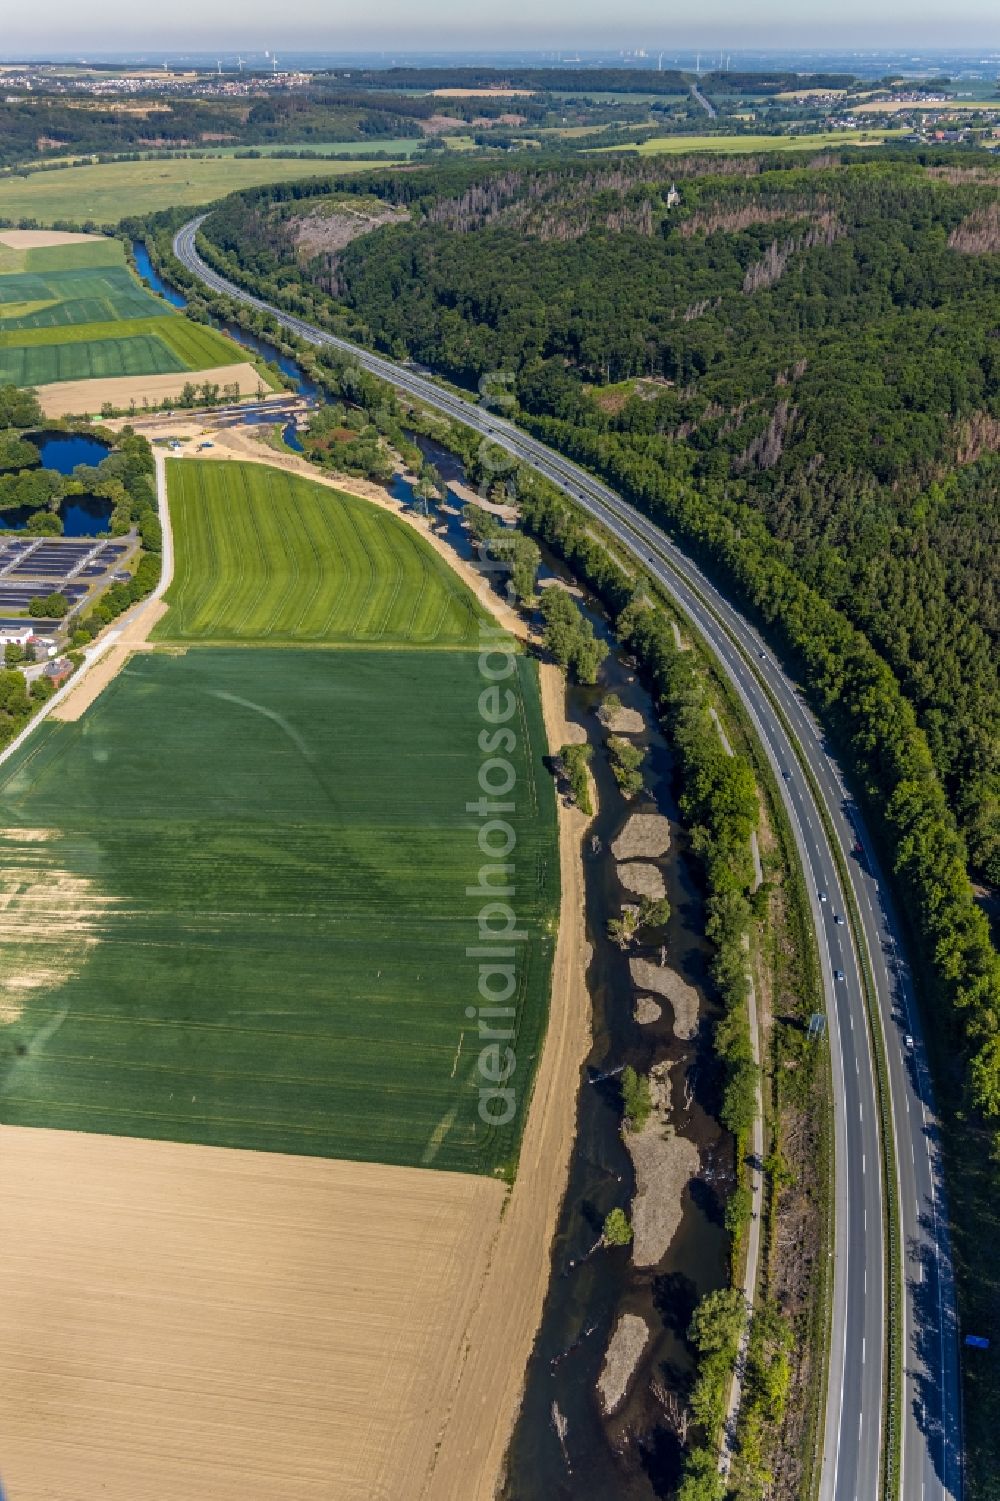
[482, 93]
[208, 1324]
[74, 396]
[42, 239]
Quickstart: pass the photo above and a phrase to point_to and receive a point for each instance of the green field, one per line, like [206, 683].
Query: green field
[89, 294]
[397, 145]
[818, 140]
[107, 192]
[42, 364]
[255, 915]
[264, 556]
[76, 312]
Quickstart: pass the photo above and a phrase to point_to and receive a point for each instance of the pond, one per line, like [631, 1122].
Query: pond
[63, 451]
[81, 515]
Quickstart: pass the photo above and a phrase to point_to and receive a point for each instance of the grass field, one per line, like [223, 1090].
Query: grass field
[106, 193]
[818, 140]
[266, 556]
[235, 908]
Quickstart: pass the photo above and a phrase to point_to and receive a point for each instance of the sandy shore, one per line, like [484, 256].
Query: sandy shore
[664, 1164]
[646, 836]
[621, 1358]
[685, 1001]
[508, 1310]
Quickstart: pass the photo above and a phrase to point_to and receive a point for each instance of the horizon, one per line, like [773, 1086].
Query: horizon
[446, 27]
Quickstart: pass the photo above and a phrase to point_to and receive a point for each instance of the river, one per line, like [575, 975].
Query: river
[635, 1454]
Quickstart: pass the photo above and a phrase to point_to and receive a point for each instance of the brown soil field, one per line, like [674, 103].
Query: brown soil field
[40, 239]
[64, 397]
[191, 1321]
[482, 93]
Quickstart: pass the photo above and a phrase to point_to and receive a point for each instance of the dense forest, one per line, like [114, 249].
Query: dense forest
[815, 347]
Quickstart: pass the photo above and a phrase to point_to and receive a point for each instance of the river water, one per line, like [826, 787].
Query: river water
[564, 1448]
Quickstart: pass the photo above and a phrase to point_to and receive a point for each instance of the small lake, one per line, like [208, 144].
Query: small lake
[63, 451]
[81, 515]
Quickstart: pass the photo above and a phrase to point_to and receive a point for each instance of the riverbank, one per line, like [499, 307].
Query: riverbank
[502, 1330]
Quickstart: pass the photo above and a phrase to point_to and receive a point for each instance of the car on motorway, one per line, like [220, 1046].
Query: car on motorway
[838, 974]
[821, 895]
[908, 1043]
[838, 918]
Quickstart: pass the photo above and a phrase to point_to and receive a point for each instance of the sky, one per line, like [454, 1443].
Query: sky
[39, 30]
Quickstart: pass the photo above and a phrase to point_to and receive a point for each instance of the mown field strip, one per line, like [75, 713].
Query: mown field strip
[263, 555]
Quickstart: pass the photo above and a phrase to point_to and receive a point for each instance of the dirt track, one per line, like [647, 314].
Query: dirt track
[96, 678]
[216, 1325]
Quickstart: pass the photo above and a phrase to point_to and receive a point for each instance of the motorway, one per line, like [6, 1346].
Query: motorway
[931, 1460]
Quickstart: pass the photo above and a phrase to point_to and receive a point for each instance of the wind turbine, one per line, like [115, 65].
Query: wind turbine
[239, 63]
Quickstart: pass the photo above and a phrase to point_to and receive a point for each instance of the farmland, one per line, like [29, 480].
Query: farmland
[263, 555]
[236, 910]
[73, 312]
[104, 193]
[85, 294]
[216, 1325]
[731, 145]
[94, 351]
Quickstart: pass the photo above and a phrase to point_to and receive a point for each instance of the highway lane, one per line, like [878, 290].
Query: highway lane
[931, 1462]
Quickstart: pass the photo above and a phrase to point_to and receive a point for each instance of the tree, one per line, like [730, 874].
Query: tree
[622, 930]
[574, 760]
[626, 760]
[48, 605]
[611, 706]
[569, 636]
[617, 1229]
[636, 1098]
[19, 408]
